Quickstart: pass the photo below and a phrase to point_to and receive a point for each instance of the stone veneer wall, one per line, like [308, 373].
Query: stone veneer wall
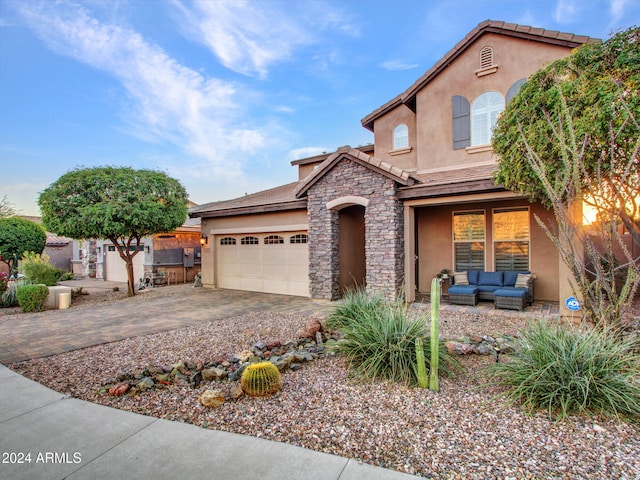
[384, 247]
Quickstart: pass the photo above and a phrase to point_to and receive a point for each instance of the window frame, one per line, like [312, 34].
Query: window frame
[400, 139]
[273, 240]
[299, 239]
[228, 241]
[249, 240]
[469, 241]
[488, 113]
[513, 240]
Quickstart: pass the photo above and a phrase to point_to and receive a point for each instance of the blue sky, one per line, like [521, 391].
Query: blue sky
[223, 95]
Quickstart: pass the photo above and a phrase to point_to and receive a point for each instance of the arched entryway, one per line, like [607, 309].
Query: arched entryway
[351, 248]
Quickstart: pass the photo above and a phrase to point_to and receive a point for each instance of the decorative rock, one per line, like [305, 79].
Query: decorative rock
[212, 374]
[155, 370]
[195, 380]
[483, 349]
[459, 348]
[318, 338]
[145, 383]
[212, 398]
[244, 355]
[309, 331]
[119, 389]
[235, 392]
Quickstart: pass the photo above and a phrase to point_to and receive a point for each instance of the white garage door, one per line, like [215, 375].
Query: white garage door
[271, 263]
[117, 269]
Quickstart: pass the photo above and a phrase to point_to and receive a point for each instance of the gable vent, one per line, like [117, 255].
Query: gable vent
[486, 57]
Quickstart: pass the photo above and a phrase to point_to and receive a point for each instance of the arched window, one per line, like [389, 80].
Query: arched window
[227, 241]
[249, 241]
[299, 238]
[484, 114]
[400, 137]
[273, 240]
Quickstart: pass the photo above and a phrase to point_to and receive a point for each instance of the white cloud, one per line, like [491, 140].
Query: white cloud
[169, 101]
[566, 11]
[306, 152]
[617, 9]
[247, 37]
[398, 65]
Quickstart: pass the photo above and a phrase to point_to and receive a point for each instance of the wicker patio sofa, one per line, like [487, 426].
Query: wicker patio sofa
[507, 289]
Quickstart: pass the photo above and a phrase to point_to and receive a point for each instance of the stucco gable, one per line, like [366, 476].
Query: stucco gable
[408, 97]
[397, 174]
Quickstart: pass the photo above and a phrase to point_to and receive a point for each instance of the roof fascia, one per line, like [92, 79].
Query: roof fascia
[270, 208]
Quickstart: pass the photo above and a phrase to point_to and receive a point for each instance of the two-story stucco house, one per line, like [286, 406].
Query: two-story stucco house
[392, 215]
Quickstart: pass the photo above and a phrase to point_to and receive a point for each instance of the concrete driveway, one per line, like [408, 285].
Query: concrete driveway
[34, 335]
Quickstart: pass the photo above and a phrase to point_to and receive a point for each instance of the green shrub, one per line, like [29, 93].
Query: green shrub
[66, 276]
[32, 298]
[354, 306]
[379, 343]
[38, 269]
[4, 282]
[10, 295]
[572, 372]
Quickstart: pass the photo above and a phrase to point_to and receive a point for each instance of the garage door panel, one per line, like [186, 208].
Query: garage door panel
[273, 268]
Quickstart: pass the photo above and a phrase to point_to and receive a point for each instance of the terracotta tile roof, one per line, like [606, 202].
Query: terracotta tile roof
[274, 199]
[554, 37]
[401, 176]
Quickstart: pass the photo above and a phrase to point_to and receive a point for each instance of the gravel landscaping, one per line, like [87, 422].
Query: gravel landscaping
[461, 432]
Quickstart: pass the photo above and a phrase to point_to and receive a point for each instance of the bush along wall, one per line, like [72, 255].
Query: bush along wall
[32, 298]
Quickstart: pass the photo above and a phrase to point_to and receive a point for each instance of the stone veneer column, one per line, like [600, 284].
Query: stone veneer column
[384, 246]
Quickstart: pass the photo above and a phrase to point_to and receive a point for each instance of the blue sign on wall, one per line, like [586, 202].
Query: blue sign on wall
[573, 304]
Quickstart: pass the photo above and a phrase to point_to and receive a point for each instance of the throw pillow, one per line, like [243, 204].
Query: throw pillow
[522, 281]
[460, 278]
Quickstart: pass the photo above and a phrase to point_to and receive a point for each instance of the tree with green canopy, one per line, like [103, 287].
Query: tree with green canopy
[17, 237]
[120, 204]
[571, 134]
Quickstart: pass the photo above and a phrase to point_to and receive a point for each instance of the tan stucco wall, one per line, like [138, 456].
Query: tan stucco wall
[256, 223]
[384, 138]
[435, 245]
[432, 142]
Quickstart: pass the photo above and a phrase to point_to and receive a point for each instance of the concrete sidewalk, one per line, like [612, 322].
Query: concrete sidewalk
[57, 437]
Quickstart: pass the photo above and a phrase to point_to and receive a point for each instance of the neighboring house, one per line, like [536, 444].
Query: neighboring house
[393, 215]
[171, 257]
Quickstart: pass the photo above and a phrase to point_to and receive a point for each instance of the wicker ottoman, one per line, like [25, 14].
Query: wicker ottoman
[512, 298]
[463, 295]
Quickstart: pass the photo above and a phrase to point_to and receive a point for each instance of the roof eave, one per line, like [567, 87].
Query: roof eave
[299, 204]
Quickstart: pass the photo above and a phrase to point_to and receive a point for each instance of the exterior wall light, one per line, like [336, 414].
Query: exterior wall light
[204, 239]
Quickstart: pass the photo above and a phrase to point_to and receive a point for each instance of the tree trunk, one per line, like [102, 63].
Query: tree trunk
[130, 279]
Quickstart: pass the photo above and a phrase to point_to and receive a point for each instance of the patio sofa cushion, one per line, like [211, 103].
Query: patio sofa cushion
[488, 288]
[473, 276]
[490, 279]
[510, 292]
[510, 278]
[461, 278]
[463, 289]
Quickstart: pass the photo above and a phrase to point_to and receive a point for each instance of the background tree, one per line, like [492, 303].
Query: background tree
[6, 208]
[572, 134]
[120, 204]
[18, 236]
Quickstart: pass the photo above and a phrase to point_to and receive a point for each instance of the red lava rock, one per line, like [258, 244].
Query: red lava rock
[119, 389]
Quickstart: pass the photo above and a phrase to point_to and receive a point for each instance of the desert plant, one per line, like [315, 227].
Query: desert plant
[259, 379]
[4, 281]
[421, 366]
[32, 298]
[435, 333]
[38, 269]
[10, 295]
[572, 372]
[354, 306]
[380, 344]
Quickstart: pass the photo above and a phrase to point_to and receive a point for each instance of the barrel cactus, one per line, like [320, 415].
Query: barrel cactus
[259, 379]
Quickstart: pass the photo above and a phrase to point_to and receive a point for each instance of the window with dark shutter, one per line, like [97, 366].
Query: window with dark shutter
[461, 122]
[514, 89]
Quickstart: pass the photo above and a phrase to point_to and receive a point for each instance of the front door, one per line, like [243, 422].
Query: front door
[351, 248]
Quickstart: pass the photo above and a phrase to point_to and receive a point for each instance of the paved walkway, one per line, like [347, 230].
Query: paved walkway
[35, 335]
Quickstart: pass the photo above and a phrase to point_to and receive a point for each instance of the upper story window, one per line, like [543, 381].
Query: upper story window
[400, 137]
[484, 115]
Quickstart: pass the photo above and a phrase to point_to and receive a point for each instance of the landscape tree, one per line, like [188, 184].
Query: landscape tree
[572, 135]
[120, 204]
[18, 236]
[6, 208]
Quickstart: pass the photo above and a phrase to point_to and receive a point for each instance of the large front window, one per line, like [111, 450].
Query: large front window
[511, 239]
[469, 240]
[484, 115]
